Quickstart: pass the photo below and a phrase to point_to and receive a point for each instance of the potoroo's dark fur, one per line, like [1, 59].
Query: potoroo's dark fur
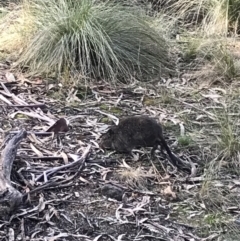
[137, 131]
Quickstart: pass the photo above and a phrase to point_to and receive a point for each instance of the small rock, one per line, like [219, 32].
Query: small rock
[112, 191]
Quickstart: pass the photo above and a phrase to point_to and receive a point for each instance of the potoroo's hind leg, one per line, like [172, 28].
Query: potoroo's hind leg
[158, 143]
[161, 149]
[153, 150]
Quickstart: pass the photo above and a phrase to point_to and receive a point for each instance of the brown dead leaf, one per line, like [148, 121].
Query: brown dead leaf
[23, 80]
[39, 153]
[37, 81]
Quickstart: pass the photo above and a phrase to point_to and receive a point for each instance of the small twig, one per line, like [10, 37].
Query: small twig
[6, 92]
[23, 230]
[60, 186]
[50, 158]
[40, 188]
[119, 99]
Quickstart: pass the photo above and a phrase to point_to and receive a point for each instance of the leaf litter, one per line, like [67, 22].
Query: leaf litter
[76, 191]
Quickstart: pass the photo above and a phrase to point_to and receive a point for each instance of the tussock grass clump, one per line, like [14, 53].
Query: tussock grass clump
[211, 16]
[15, 27]
[229, 142]
[185, 140]
[99, 39]
[225, 162]
[226, 64]
[211, 57]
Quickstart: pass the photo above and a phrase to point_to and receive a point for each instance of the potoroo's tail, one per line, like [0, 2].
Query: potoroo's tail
[174, 160]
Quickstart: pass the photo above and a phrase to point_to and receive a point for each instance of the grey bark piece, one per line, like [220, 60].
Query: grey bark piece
[10, 198]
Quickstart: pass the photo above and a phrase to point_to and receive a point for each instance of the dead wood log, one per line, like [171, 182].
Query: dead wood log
[10, 198]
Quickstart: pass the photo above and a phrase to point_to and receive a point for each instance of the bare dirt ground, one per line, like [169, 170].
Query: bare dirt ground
[111, 196]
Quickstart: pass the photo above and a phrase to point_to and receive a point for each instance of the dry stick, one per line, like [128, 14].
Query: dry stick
[44, 186]
[40, 133]
[56, 169]
[8, 194]
[30, 106]
[50, 158]
[6, 92]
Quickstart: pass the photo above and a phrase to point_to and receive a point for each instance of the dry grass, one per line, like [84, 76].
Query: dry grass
[229, 141]
[135, 177]
[211, 17]
[211, 59]
[15, 28]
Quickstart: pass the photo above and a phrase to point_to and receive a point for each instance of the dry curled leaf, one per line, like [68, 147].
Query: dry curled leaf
[39, 153]
[65, 157]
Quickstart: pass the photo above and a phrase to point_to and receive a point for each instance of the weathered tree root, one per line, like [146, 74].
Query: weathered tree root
[10, 198]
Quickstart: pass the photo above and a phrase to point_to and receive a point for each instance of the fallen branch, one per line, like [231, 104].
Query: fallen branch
[8, 194]
[52, 158]
[51, 184]
[53, 170]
